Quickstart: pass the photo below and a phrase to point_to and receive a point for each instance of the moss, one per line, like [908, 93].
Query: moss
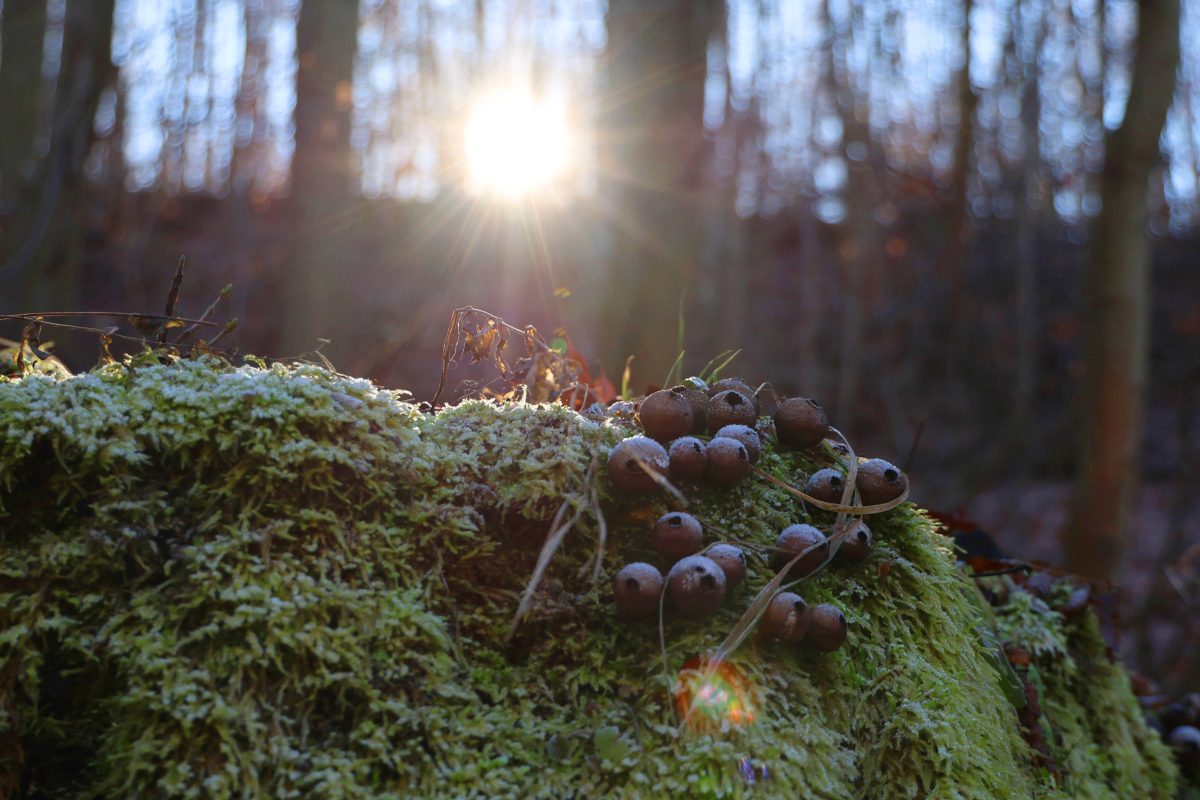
[1093, 722]
[273, 581]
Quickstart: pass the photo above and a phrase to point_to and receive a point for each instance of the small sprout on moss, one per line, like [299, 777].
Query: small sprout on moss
[732, 561]
[880, 482]
[794, 540]
[730, 407]
[728, 461]
[826, 485]
[747, 436]
[737, 385]
[801, 422]
[826, 629]
[625, 471]
[689, 458]
[696, 586]
[785, 618]
[677, 535]
[856, 546]
[666, 415]
[636, 589]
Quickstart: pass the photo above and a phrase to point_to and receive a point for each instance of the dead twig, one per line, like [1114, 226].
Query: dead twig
[173, 296]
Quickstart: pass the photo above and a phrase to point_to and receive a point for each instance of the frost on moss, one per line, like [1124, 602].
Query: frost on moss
[279, 582]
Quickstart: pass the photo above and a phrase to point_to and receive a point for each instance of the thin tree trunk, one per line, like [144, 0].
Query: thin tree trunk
[960, 216]
[322, 185]
[862, 245]
[653, 132]
[862, 249]
[22, 30]
[46, 255]
[1118, 289]
[1028, 215]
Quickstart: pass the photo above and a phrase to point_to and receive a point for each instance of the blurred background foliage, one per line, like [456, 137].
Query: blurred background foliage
[969, 227]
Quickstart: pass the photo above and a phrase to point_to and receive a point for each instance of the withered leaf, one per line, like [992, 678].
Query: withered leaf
[479, 344]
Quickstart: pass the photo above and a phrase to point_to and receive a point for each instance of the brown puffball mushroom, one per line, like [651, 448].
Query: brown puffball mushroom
[795, 539]
[636, 589]
[801, 422]
[696, 586]
[627, 474]
[694, 390]
[826, 485]
[785, 618]
[730, 407]
[827, 628]
[879, 482]
[856, 545]
[689, 458]
[732, 561]
[676, 535]
[728, 461]
[747, 436]
[666, 415]
[738, 385]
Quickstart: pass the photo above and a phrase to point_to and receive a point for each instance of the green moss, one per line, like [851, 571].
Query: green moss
[1093, 723]
[280, 582]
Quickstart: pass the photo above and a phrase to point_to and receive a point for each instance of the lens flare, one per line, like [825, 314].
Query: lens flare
[714, 699]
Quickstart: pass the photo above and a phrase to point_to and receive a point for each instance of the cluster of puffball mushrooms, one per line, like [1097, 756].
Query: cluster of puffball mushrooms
[699, 577]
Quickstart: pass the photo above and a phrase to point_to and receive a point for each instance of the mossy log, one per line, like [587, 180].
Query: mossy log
[279, 582]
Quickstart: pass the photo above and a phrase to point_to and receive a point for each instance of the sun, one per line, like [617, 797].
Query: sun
[516, 144]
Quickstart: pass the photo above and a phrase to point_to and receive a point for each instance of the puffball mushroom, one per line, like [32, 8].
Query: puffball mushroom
[696, 586]
[636, 589]
[627, 474]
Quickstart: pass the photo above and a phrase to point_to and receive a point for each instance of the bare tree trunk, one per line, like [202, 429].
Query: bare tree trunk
[653, 165]
[1118, 288]
[322, 185]
[862, 249]
[960, 215]
[1028, 196]
[45, 254]
[862, 245]
[22, 30]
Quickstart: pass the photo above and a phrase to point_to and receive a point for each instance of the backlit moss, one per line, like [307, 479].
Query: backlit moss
[279, 582]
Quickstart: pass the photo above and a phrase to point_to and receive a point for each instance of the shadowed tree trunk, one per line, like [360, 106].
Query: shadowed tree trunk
[45, 249]
[323, 178]
[861, 249]
[960, 231]
[861, 246]
[1028, 194]
[1118, 293]
[653, 163]
[22, 30]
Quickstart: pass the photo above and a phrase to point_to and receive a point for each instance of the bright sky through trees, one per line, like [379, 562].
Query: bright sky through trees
[207, 91]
